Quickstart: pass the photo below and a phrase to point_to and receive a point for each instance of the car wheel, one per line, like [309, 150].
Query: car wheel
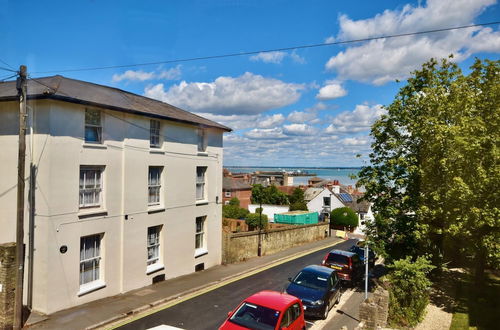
[327, 309]
[338, 299]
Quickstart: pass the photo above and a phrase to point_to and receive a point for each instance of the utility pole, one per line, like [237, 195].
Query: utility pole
[367, 257]
[21, 85]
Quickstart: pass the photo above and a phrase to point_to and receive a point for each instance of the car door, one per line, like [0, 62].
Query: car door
[293, 318]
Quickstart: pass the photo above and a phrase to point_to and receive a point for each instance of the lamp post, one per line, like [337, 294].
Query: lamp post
[367, 254]
[259, 246]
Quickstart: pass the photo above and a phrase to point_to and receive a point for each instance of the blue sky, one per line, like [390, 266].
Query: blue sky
[307, 107]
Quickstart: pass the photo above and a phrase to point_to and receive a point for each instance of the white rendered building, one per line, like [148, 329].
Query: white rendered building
[128, 190]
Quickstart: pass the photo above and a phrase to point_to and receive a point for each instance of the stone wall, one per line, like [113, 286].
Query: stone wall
[373, 312]
[7, 284]
[240, 246]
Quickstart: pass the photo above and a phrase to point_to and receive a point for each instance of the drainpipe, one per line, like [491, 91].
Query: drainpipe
[31, 201]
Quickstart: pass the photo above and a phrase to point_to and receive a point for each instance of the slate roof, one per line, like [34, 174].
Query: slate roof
[311, 193]
[231, 184]
[82, 92]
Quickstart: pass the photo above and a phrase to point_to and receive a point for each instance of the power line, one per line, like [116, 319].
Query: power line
[269, 50]
[10, 66]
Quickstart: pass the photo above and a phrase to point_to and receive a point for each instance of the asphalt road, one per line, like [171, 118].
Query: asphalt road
[208, 311]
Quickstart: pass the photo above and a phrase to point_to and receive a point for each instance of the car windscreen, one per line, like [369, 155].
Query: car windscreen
[255, 317]
[311, 280]
[334, 258]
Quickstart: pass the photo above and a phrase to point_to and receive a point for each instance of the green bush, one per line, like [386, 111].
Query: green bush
[344, 216]
[234, 201]
[234, 212]
[298, 206]
[253, 219]
[409, 291]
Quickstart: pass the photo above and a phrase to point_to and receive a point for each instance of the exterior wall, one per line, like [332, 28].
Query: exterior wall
[241, 246]
[243, 195]
[124, 218]
[269, 210]
[316, 204]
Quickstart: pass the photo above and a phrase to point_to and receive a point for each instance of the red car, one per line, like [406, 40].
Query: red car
[267, 310]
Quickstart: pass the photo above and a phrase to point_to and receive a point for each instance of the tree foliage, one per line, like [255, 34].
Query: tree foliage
[296, 196]
[434, 172]
[233, 210]
[253, 220]
[268, 195]
[344, 216]
[409, 291]
[298, 206]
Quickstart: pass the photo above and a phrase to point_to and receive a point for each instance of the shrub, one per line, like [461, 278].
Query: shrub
[253, 219]
[344, 216]
[234, 212]
[298, 206]
[234, 201]
[409, 291]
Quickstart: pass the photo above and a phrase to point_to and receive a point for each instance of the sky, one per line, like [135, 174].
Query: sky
[300, 107]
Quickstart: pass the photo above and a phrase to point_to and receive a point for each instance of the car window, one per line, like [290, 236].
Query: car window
[311, 280]
[255, 317]
[337, 259]
[287, 318]
[295, 311]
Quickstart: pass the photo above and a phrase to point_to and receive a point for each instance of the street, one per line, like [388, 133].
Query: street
[208, 311]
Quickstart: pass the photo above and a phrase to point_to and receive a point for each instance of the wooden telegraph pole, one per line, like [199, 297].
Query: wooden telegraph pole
[21, 85]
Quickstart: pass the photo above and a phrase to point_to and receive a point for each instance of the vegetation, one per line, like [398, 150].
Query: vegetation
[344, 216]
[434, 171]
[233, 210]
[409, 291]
[298, 206]
[253, 220]
[297, 202]
[268, 195]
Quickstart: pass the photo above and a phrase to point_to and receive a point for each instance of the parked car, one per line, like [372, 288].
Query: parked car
[267, 310]
[319, 289]
[359, 249]
[347, 264]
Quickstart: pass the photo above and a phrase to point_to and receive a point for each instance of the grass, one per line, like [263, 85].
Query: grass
[473, 306]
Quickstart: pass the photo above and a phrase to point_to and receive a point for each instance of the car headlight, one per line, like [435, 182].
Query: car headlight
[317, 302]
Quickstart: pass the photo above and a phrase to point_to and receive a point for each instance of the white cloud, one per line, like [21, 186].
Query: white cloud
[247, 94]
[269, 57]
[297, 58]
[300, 116]
[298, 129]
[332, 90]
[139, 75]
[271, 121]
[356, 141]
[329, 39]
[266, 133]
[383, 60]
[358, 120]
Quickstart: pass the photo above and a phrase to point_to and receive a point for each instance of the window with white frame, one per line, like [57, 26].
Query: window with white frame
[91, 186]
[90, 259]
[200, 182]
[154, 133]
[200, 245]
[153, 246]
[93, 126]
[227, 194]
[154, 185]
[202, 140]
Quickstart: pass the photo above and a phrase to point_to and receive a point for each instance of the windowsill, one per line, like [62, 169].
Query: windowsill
[200, 252]
[91, 213]
[202, 202]
[90, 287]
[154, 268]
[94, 145]
[155, 209]
[202, 153]
[153, 150]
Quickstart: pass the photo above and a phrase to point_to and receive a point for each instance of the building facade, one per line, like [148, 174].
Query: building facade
[128, 190]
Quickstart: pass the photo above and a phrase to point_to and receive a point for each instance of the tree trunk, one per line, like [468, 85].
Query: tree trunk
[480, 265]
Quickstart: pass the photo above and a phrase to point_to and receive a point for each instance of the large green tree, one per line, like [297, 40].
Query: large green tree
[268, 195]
[434, 172]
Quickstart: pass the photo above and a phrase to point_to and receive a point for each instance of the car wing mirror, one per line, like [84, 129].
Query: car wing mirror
[289, 279]
[229, 313]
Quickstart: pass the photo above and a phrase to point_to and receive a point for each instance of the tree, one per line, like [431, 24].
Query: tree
[296, 196]
[253, 220]
[434, 171]
[344, 216]
[233, 210]
[234, 201]
[268, 195]
[298, 206]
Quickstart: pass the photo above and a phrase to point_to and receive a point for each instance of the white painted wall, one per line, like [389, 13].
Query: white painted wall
[59, 150]
[269, 210]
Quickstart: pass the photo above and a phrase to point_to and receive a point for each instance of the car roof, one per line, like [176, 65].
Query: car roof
[344, 253]
[272, 299]
[318, 270]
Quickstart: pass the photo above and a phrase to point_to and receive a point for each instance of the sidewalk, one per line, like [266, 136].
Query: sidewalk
[102, 312]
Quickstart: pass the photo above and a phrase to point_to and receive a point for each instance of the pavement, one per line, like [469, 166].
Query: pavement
[107, 312]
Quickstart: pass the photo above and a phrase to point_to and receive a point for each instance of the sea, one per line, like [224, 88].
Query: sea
[343, 174]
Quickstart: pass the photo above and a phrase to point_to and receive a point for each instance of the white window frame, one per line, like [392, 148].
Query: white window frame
[96, 189]
[202, 139]
[154, 184]
[200, 239]
[153, 243]
[154, 133]
[96, 127]
[201, 183]
[96, 263]
[227, 194]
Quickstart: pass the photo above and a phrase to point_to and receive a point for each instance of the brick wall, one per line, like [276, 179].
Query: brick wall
[373, 311]
[240, 246]
[7, 284]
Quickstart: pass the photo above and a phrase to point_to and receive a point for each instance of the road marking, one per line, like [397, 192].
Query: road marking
[215, 286]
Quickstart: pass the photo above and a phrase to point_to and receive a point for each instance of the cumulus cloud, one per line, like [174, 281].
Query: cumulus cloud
[298, 129]
[356, 141]
[271, 121]
[247, 94]
[383, 60]
[332, 90]
[266, 133]
[139, 75]
[358, 120]
[269, 57]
